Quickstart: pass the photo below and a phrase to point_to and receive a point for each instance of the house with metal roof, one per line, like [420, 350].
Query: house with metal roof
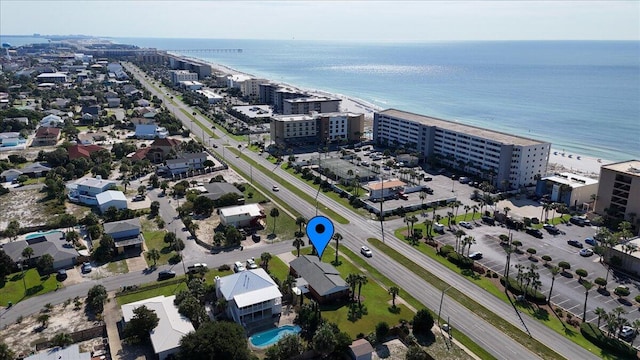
[109, 198]
[252, 296]
[86, 189]
[125, 234]
[242, 215]
[166, 336]
[324, 281]
[71, 352]
[186, 162]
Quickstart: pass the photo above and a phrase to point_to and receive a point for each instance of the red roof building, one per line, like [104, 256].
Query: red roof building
[82, 151]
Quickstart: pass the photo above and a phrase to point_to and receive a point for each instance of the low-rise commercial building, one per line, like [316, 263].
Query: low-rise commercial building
[569, 189]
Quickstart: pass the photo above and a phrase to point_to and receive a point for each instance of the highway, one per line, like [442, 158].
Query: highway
[355, 234]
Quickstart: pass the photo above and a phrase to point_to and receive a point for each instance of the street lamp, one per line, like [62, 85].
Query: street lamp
[21, 266]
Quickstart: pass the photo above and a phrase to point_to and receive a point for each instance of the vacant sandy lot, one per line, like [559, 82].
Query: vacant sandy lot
[23, 206]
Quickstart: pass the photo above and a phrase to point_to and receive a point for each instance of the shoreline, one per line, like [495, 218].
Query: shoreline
[559, 159]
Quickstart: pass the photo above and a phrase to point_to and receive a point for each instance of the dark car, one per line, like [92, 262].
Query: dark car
[61, 275]
[534, 232]
[488, 220]
[551, 229]
[590, 241]
[255, 237]
[166, 274]
[575, 243]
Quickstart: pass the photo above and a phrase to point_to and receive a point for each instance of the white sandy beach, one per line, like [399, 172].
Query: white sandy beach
[559, 160]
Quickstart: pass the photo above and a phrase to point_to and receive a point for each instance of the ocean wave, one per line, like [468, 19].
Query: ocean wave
[390, 69]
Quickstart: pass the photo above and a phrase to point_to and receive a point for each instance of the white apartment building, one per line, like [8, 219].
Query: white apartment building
[249, 86]
[503, 159]
[182, 75]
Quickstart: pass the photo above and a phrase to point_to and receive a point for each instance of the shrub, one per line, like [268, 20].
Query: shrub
[597, 337]
[224, 267]
[546, 258]
[175, 259]
[622, 291]
[382, 329]
[460, 260]
[600, 281]
[445, 250]
[564, 265]
[422, 322]
[574, 322]
[531, 251]
[514, 287]
[582, 273]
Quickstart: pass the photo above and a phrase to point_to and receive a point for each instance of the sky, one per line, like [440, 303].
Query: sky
[327, 20]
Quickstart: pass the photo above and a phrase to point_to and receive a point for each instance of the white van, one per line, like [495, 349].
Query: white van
[438, 227]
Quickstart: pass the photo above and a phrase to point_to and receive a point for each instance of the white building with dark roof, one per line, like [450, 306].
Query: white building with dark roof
[251, 296]
[172, 326]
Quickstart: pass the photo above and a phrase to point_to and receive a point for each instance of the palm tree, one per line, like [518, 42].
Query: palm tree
[265, 257]
[554, 271]
[506, 211]
[449, 216]
[300, 221]
[475, 209]
[411, 220]
[423, 196]
[337, 237]
[274, 214]
[28, 253]
[466, 211]
[600, 313]
[125, 182]
[352, 280]
[298, 242]
[428, 224]
[394, 291]
[587, 286]
[153, 255]
[459, 234]
[468, 241]
[362, 280]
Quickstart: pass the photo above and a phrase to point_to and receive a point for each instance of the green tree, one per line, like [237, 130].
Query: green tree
[141, 190]
[324, 340]
[44, 319]
[153, 255]
[154, 207]
[308, 318]
[96, 297]
[382, 329]
[300, 221]
[45, 264]
[6, 264]
[394, 291]
[415, 352]
[423, 322]
[352, 280]
[72, 237]
[600, 313]
[337, 237]
[215, 340]
[5, 352]
[288, 347]
[125, 182]
[61, 339]
[362, 280]
[12, 229]
[274, 213]
[587, 286]
[265, 257]
[193, 309]
[143, 321]
[555, 270]
[298, 243]
[27, 253]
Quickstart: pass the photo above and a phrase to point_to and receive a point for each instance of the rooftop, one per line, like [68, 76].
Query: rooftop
[570, 179]
[249, 209]
[94, 182]
[248, 287]
[322, 277]
[379, 185]
[124, 225]
[297, 117]
[311, 99]
[503, 138]
[630, 167]
[110, 195]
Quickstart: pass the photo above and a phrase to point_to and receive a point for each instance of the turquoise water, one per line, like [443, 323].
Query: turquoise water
[270, 337]
[35, 235]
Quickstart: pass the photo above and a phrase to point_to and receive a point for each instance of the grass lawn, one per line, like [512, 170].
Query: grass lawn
[12, 290]
[304, 196]
[155, 240]
[118, 267]
[285, 225]
[33, 181]
[277, 267]
[168, 289]
[256, 196]
[374, 297]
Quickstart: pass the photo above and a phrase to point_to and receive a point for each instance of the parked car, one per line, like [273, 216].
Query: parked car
[551, 229]
[255, 237]
[488, 220]
[61, 275]
[166, 274]
[86, 267]
[586, 252]
[475, 255]
[591, 241]
[237, 267]
[466, 224]
[534, 232]
[138, 197]
[251, 264]
[575, 243]
[366, 251]
[627, 333]
[196, 267]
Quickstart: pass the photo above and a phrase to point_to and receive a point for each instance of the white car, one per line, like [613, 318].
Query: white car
[475, 255]
[275, 188]
[251, 264]
[466, 224]
[627, 333]
[366, 251]
[238, 267]
[586, 252]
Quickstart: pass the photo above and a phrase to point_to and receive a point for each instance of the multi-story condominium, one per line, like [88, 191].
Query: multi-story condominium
[201, 69]
[504, 160]
[249, 86]
[182, 75]
[307, 105]
[619, 191]
[316, 128]
[275, 95]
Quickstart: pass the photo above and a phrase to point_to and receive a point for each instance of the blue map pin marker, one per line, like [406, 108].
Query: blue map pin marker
[319, 232]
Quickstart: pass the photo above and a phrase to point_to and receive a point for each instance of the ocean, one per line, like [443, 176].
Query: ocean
[582, 96]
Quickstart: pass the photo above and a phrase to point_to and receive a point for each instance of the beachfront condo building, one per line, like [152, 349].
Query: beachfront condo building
[316, 128]
[506, 161]
[619, 191]
[310, 104]
[178, 76]
[275, 94]
[248, 85]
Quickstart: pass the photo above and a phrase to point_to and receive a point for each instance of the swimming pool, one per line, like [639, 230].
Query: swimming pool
[270, 337]
[38, 234]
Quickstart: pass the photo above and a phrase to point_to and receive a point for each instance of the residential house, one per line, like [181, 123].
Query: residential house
[151, 131]
[93, 110]
[252, 296]
[82, 151]
[21, 120]
[35, 170]
[186, 162]
[10, 139]
[248, 215]
[215, 191]
[51, 121]
[71, 352]
[86, 189]
[111, 198]
[360, 349]
[143, 103]
[53, 243]
[324, 281]
[60, 103]
[52, 78]
[90, 137]
[113, 102]
[125, 234]
[10, 175]
[172, 326]
[46, 136]
[158, 151]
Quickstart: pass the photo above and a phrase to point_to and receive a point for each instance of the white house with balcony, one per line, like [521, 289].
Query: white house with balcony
[251, 296]
[86, 189]
[186, 162]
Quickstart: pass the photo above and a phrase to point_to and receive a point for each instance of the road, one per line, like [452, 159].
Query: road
[355, 234]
